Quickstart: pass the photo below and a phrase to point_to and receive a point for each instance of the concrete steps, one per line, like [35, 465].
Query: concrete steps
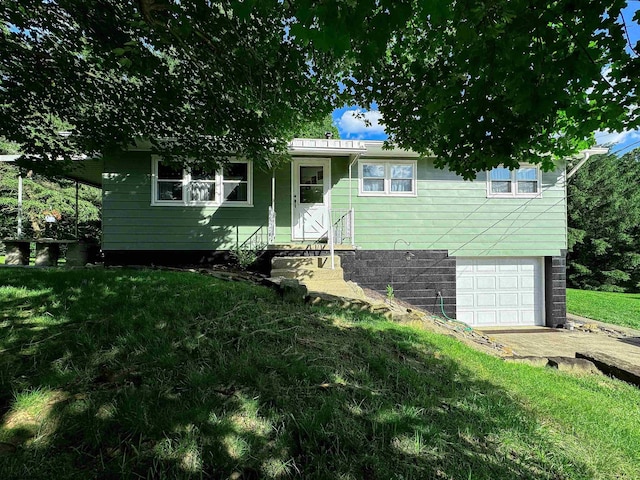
[315, 262]
[338, 288]
[309, 274]
[307, 269]
[316, 274]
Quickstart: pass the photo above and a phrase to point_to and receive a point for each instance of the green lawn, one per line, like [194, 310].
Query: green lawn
[617, 308]
[146, 374]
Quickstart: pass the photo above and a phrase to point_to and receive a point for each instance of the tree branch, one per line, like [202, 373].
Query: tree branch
[586, 52]
[626, 32]
[148, 7]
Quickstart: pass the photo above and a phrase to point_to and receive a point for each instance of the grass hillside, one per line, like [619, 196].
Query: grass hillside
[143, 374]
[611, 307]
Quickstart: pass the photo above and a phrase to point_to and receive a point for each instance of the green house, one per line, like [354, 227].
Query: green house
[489, 251]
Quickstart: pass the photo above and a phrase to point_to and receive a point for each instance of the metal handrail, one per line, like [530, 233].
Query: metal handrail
[255, 240]
[263, 235]
[343, 228]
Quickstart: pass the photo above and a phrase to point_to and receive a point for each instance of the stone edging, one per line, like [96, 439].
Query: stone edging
[583, 324]
[292, 290]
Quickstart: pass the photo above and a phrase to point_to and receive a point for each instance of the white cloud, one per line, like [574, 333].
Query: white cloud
[606, 137]
[353, 123]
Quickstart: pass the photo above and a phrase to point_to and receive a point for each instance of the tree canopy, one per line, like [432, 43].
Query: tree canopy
[318, 129]
[475, 83]
[604, 224]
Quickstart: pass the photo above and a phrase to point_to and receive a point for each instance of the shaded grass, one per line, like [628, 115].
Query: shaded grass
[129, 374]
[610, 307]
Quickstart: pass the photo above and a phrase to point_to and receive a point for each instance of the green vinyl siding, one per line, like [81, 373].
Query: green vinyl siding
[448, 213]
[130, 222]
[283, 205]
[453, 214]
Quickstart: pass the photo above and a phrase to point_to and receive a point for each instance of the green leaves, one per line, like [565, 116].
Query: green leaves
[476, 84]
[604, 219]
[212, 81]
[317, 129]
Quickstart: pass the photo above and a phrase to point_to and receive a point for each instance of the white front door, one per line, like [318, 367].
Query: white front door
[311, 183]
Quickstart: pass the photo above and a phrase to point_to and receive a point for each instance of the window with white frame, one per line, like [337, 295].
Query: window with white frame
[392, 177]
[169, 183]
[235, 182]
[520, 182]
[232, 185]
[201, 185]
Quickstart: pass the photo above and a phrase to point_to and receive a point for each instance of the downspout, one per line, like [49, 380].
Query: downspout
[354, 159]
[571, 173]
[575, 169]
[271, 218]
[271, 235]
[273, 189]
[587, 155]
[331, 246]
[19, 205]
[77, 214]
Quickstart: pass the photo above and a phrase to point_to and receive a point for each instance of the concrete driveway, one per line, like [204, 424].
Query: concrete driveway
[551, 342]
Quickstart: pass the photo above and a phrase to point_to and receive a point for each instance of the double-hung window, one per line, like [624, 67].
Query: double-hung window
[169, 183]
[520, 182]
[201, 185]
[235, 182]
[388, 178]
[232, 185]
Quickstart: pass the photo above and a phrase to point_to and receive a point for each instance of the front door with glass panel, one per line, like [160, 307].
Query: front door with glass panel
[310, 198]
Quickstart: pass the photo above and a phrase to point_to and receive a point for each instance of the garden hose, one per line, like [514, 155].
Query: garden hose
[467, 329]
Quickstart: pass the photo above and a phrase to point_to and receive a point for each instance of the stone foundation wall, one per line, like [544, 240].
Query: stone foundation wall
[416, 276]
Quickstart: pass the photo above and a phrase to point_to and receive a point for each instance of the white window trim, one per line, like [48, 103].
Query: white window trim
[514, 184]
[249, 182]
[387, 178]
[186, 180]
[154, 186]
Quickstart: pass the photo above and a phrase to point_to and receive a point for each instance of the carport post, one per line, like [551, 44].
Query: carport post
[19, 205]
[76, 209]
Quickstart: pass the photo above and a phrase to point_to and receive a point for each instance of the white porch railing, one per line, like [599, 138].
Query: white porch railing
[342, 230]
[343, 226]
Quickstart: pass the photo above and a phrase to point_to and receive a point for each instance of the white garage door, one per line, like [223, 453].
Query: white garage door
[499, 291]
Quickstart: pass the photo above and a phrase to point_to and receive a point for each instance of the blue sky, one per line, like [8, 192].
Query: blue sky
[351, 121]
[625, 141]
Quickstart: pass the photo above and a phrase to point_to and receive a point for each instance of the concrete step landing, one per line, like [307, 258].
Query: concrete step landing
[316, 274]
[319, 262]
[309, 274]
